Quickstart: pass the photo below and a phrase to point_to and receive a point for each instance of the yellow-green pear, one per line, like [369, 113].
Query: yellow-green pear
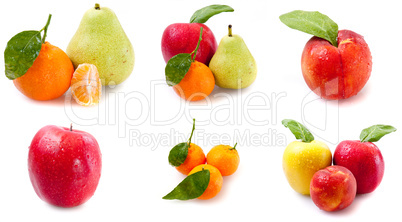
[100, 40]
[233, 65]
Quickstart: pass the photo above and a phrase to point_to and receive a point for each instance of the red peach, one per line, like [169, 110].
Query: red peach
[333, 188]
[336, 72]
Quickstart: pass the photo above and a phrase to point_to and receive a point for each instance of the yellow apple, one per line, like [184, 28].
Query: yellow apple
[301, 160]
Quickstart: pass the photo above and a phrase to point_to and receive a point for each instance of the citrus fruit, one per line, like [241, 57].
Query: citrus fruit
[197, 84]
[194, 158]
[86, 86]
[215, 181]
[49, 76]
[225, 158]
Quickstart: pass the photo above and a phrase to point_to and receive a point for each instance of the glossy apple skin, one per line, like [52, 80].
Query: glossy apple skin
[333, 188]
[64, 166]
[183, 38]
[337, 72]
[364, 160]
[301, 160]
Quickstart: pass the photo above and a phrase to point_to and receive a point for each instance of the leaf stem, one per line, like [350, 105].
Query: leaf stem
[198, 45]
[45, 28]
[192, 131]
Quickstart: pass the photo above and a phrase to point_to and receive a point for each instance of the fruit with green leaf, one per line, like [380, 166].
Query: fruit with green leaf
[301, 159]
[183, 37]
[191, 80]
[185, 156]
[336, 64]
[203, 182]
[193, 186]
[233, 65]
[38, 69]
[100, 40]
[363, 158]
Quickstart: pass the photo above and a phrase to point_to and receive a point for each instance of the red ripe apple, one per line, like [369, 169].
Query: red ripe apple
[183, 38]
[364, 160]
[336, 72]
[333, 188]
[64, 165]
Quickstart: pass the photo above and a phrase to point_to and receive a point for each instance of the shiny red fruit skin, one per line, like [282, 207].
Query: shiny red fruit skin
[364, 160]
[333, 188]
[337, 72]
[183, 38]
[64, 166]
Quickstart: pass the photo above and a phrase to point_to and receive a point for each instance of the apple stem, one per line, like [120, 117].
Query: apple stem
[230, 30]
[234, 147]
[97, 6]
[71, 126]
[192, 131]
[198, 45]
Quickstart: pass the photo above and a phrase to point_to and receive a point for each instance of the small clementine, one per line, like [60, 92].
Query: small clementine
[50, 75]
[215, 181]
[197, 84]
[194, 158]
[225, 158]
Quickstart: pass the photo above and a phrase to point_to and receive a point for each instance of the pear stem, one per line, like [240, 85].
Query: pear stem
[97, 6]
[198, 45]
[45, 28]
[230, 30]
[192, 131]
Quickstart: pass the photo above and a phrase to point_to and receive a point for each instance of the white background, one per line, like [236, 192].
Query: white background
[136, 173]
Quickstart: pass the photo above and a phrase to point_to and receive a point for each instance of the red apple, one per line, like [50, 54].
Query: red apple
[183, 38]
[364, 160]
[333, 188]
[336, 72]
[64, 165]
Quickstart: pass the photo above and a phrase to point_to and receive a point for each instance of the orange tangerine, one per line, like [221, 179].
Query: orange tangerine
[86, 86]
[215, 181]
[197, 84]
[225, 158]
[50, 75]
[194, 158]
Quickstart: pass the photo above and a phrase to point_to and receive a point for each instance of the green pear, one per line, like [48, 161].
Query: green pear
[100, 40]
[233, 65]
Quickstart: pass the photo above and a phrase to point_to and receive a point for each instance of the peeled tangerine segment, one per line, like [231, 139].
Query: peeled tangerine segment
[86, 86]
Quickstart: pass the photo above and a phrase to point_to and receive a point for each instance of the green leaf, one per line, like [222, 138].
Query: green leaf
[202, 15]
[313, 23]
[176, 68]
[21, 52]
[300, 131]
[191, 187]
[375, 133]
[178, 154]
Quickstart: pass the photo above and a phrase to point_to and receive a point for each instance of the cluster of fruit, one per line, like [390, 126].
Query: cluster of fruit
[195, 63]
[358, 166]
[42, 71]
[203, 181]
